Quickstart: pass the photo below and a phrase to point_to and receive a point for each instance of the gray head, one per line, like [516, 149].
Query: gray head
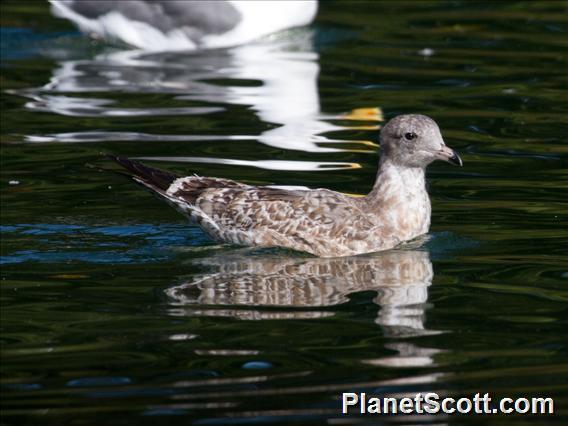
[415, 141]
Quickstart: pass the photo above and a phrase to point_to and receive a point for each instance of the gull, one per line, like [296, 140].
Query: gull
[321, 222]
[160, 25]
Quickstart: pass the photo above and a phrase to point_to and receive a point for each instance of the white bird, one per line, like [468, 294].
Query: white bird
[159, 25]
[318, 221]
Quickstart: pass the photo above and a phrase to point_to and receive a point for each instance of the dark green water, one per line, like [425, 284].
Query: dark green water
[115, 311]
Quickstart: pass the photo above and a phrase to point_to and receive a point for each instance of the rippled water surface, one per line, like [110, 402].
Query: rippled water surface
[116, 311]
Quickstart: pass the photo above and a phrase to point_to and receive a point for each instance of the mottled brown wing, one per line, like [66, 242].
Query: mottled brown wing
[318, 221]
[303, 220]
[191, 188]
[244, 206]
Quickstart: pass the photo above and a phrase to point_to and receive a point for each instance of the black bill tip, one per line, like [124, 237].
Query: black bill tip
[455, 160]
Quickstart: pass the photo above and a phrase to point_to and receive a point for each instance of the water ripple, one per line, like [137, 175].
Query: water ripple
[98, 244]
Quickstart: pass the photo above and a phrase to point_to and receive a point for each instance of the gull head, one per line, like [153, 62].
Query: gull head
[415, 141]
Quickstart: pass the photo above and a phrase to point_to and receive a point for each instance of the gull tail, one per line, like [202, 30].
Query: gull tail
[154, 179]
[158, 182]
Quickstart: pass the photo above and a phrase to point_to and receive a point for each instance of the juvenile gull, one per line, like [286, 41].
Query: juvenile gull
[318, 221]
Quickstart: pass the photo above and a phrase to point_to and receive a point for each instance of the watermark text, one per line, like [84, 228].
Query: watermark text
[432, 403]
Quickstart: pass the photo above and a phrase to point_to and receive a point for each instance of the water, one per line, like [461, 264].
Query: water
[115, 311]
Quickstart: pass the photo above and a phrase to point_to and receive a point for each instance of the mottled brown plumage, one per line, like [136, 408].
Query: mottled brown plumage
[319, 221]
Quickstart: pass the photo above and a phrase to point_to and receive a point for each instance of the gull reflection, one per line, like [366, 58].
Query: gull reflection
[275, 78]
[253, 287]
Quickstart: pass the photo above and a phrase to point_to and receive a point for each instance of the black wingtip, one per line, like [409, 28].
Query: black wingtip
[150, 176]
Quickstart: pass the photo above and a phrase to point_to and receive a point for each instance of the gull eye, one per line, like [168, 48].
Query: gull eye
[409, 136]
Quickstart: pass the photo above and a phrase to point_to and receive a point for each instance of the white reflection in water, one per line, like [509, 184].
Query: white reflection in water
[276, 79]
[98, 136]
[262, 164]
[243, 286]
[89, 107]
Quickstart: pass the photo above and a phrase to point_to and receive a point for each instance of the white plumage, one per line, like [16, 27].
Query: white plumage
[156, 25]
